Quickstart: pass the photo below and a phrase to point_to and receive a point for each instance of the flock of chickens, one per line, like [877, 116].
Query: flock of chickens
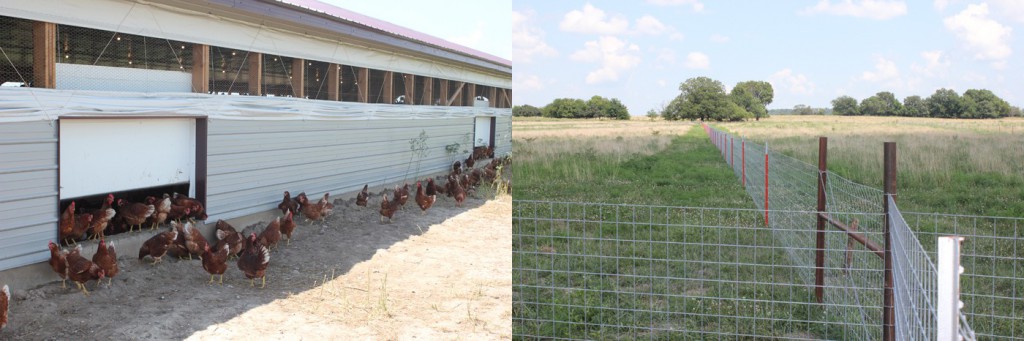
[184, 239]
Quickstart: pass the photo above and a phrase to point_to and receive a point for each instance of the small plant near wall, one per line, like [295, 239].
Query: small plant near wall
[419, 150]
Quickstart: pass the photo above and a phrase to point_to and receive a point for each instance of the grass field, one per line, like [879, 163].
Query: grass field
[944, 165]
[612, 295]
[562, 254]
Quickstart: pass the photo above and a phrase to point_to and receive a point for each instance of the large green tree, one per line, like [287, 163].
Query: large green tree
[615, 109]
[914, 106]
[983, 104]
[525, 110]
[945, 103]
[845, 105]
[565, 108]
[761, 90]
[881, 104]
[700, 98]
[744, 98]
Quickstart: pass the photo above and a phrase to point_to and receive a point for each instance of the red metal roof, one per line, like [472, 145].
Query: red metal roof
[388, 27]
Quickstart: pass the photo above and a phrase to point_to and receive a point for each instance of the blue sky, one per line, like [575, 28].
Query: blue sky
[481, 25]
[811, 51]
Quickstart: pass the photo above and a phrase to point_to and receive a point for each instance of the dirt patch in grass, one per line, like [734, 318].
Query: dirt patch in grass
[443, 275]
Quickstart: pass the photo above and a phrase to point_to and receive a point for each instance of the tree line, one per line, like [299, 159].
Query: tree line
[706, 99]
[944, 103]
[595, 107]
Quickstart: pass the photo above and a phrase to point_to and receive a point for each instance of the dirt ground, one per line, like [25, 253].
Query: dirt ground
[444, 275]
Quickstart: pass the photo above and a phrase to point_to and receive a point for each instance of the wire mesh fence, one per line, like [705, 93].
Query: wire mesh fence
[992, 285]
[601, 271]
[789, 183]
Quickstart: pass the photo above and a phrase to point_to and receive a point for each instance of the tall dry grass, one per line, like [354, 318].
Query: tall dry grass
[935, 156]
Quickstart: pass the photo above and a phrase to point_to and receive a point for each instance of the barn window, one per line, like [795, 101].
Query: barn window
[90, 59]
[16, 41]
[229, 71]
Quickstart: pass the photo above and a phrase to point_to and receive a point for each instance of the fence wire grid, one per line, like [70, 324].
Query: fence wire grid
[604, 271]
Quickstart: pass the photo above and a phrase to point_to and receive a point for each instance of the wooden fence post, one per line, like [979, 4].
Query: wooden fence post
[743, 161]
[766, 184]
[889, 183]
[819, 255]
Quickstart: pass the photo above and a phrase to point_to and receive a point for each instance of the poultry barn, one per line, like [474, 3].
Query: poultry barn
[229, 102]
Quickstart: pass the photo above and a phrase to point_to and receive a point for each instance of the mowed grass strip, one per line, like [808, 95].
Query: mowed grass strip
[654, 169]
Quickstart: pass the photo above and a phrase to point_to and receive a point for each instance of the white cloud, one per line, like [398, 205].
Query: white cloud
[885, 70]
[522, 81]
[697, 60]
[676, 36]
[941, 4]
[1012, 9]
[666, 55]
[661, 83]
[527, 40]
[695, 4]
[593, 20]
[718, 38]
[796, 84]
[935, 64]
[615, 56]
[871, 9]
[989, 39]
[650, 25]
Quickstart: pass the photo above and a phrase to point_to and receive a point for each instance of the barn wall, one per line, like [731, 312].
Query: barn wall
[503, 136]
[252, 162]
[28, 192]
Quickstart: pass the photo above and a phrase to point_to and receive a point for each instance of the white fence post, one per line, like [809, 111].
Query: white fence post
[948, 275]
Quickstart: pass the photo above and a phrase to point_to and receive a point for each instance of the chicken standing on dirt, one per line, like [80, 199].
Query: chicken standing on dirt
[402, 195]
[254, 261]
[195, 243]
[434, 189]
[288, 203]
[58, 264]
[315, 212]
[423, 200]
[158, 245]
[106, 258]
[364, 196]
[272, 234]
[101, 218]
[227, 235]
[134, 213]
[5, 299]
[215, 262]
[387, 208]
[73, 226]
[456, 191]
[81, 270]
[288, 226]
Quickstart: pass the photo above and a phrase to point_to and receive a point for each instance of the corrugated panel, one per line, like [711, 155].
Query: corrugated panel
[502, 136]
[252, 162]
[28, 201]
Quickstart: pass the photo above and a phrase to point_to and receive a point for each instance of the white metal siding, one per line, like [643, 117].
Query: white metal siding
[28, 199]
[250, 163]
[502, 136]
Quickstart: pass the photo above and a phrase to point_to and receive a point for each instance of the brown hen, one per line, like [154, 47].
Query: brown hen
[364, 196]
[81, 270]
[215, 262]
[58, 264]
[254, 261]
[106, 258]
[272, 234]
[158, 245]
[423, 200]
[133, 213]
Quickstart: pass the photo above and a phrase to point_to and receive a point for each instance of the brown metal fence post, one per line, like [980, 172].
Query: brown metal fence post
[888, 312]
[819, 255]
